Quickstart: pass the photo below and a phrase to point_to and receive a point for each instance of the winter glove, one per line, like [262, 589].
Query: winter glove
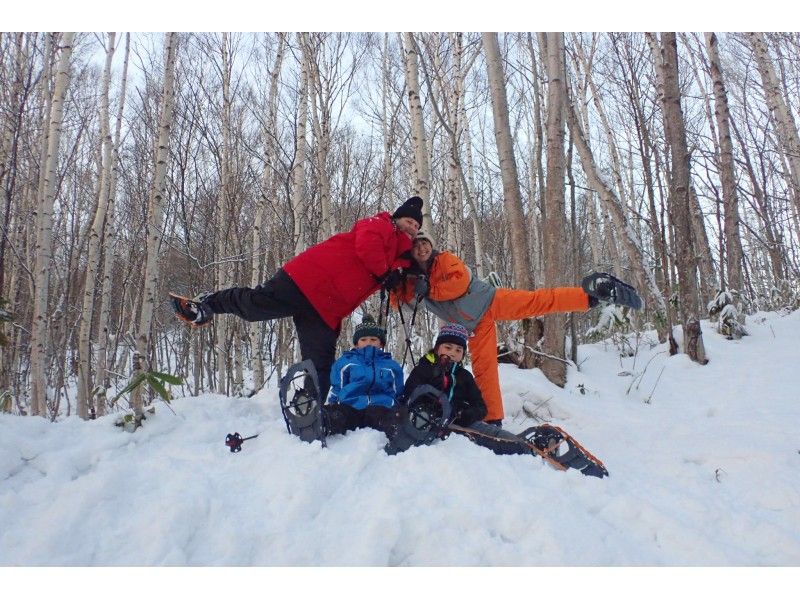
[421, 286]
[391, 279]
[605, 288]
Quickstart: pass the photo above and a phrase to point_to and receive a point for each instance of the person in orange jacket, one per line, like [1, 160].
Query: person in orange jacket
[448, 289]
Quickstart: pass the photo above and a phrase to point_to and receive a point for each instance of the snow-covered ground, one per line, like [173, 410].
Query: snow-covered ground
[704, 466]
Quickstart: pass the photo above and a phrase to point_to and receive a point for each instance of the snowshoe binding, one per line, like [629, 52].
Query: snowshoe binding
[300, 402]
[421, 420]
[605, 288]
[192, 311]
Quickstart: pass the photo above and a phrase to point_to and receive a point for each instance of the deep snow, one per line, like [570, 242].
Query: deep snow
[704, 471]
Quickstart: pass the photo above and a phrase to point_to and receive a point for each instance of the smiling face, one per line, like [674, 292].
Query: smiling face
[451, 350]
[407, 225]
[421, 251]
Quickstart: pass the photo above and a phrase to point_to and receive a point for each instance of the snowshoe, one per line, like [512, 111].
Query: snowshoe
[610, 289]
[563, 449]
[421, 420]
[192, 311]
[552, 444]
[300, 402]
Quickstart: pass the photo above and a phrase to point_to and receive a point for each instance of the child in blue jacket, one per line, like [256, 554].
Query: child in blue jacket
[365, 383]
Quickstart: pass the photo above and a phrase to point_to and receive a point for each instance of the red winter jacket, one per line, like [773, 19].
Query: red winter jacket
[337, 275]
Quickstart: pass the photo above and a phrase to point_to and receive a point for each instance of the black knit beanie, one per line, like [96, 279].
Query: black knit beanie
[411, 208]
[369, 327]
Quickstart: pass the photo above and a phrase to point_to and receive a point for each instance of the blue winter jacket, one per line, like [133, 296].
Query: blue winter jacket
[366, 376]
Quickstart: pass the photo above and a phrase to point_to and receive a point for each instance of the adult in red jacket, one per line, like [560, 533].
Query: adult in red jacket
[322, 285]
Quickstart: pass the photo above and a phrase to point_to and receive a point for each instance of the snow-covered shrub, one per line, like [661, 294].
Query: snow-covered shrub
[727, 307]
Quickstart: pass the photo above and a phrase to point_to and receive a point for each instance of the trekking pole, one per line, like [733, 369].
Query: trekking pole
[383, 309]
[235, 440]
[408, 330]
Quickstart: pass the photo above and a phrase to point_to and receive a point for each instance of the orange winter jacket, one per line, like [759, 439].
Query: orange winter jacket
[454, 294]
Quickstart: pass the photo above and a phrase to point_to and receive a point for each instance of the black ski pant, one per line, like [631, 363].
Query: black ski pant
[280, 297]
[341, 418]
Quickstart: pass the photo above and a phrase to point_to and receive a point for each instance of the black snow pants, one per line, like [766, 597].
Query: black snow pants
[280, 297]
[341, 418]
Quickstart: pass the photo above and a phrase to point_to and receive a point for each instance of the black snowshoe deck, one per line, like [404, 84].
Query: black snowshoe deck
[300, 402]
[608, 288]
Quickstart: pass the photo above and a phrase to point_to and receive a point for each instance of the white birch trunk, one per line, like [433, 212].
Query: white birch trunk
[109, 238]
[321, 126]
[301, 153]
[267, 197]
[225, 228]
[421, 176]
[44, 237]
[85, 378]
[155, 217]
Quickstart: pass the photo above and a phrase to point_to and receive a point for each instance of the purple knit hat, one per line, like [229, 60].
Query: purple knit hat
[452, 333]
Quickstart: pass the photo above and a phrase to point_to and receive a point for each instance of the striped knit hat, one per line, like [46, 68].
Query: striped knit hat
[452, 333]
[369, 327]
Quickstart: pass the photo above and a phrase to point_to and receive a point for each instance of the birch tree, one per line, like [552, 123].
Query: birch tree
[44, 238]
[154, 224]
[85, 378]
[299, 200]
[109, 241]
[422, 169]
[269, 185]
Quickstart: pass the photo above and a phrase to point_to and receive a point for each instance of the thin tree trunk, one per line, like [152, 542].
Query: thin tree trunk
[554, 236]
[85, 378]
[44, 237]
[786, 127]
[681, 200]
[223, 329]
[109, 238]
[512, 195]
[155, 216]
[421, 176]
[733, 242]
[643, 278]
[299, 172]
[268, 196]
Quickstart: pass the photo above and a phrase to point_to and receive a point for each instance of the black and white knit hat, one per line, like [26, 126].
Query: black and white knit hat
[452, 333]
[369, 327]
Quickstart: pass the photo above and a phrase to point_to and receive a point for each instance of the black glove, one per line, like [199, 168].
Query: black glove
[391, 279]
[602, 287]
[421, 286]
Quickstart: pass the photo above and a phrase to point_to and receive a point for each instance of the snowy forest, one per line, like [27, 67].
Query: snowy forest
[132, 165]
